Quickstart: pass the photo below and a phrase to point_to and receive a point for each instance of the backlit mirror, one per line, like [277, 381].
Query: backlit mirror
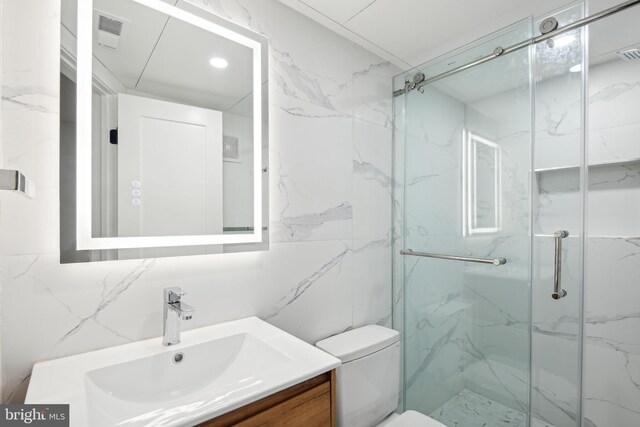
[163, 131]
[482, 185]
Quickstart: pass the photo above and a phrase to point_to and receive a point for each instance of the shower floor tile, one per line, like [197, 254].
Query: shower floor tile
[468, 409]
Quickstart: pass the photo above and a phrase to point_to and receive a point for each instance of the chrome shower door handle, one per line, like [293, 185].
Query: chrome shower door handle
[558, 292]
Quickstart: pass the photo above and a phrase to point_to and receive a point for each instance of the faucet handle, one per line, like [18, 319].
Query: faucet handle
[173, 294]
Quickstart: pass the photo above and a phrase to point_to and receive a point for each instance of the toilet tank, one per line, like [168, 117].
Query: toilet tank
[368, 381]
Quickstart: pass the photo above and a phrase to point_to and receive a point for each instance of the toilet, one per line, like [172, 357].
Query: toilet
[368, 381]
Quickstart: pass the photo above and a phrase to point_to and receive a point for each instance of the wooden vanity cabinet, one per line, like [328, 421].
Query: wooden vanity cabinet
[308, 404]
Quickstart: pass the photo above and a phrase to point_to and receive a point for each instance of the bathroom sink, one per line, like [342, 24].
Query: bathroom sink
[214, 370]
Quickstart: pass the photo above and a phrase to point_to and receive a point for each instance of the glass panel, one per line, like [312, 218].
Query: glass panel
[465, 143]
[558, 205]
[612, 295]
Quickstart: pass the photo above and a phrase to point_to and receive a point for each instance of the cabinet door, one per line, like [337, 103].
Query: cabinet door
[309, 409]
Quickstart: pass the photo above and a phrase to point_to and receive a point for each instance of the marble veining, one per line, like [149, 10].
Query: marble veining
[32, 98]
[328, 248]
[307, 282]
[612, 92]
[468, 409]
[108, 296]
[301, 227]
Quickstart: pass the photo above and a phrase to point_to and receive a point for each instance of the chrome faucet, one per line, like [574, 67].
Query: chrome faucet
[174, 310]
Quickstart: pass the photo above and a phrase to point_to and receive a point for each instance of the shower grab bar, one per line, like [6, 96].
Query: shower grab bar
[558, 292]
[494, 261]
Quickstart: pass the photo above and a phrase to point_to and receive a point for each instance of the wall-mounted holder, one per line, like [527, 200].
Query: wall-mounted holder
[13, 180]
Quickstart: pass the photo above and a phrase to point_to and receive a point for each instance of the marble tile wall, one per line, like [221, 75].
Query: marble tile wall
[612, 288]
[328, 267]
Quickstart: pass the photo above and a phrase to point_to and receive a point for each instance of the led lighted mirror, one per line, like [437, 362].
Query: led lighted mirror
[482, 185]
[163, 131]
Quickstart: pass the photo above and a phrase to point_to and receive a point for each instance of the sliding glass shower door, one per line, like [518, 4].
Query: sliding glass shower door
[476, 249]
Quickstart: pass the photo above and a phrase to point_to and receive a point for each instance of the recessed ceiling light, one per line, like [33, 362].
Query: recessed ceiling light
[219, 62]
[576, 68]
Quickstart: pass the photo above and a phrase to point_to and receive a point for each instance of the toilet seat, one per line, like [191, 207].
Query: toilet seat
[413, 419]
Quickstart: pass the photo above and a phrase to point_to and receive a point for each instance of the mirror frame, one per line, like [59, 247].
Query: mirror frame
[205, 20]
[469, 177]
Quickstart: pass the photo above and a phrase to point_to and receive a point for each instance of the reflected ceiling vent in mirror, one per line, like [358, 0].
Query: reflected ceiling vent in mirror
[110, 29]
[629, 54]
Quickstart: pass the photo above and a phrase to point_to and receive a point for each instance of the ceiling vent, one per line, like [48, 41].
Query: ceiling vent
[110, 29]
[629, 54]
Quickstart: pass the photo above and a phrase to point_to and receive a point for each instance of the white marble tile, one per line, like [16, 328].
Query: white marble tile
[30, 226]
[372, 181]
[555, 392]
[614, 144]
[435, 328]
[26, 83]
[371, 282]
[612, 315]
[614, 91]
[304, 286]
[311, 172]
[32, 149]
[372, 88]
[612, 386]
[614, 200]
[80, 307]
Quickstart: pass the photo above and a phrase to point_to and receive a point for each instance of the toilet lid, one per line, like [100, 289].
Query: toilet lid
[414, 419]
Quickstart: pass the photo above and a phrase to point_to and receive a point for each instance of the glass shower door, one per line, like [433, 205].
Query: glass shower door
[469, 186]
[466, 193]
[559, 186]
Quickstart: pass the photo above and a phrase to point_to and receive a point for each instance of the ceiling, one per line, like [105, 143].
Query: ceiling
[410, 32]
[167, 58]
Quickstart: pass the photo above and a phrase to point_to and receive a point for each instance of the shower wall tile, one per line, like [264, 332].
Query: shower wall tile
[613, 88]
[555, 369]
[555, 347]
[612, 395]
[611, 291]
[558, 121]
[497, 336]
[316, 279]
[556, 205]
[435, 332]
[435, 122]
[614, 144]
[613, 294]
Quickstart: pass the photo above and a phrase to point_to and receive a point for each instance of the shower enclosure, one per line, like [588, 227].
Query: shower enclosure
[491, 241]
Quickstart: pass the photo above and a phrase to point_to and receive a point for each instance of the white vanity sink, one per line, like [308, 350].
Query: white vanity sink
[214, 370]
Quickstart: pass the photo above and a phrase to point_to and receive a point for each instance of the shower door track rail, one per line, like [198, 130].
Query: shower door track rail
[493, 261]
[500, 51]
